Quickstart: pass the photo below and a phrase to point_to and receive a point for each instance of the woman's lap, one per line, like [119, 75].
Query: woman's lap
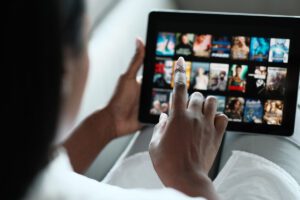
[276, 149]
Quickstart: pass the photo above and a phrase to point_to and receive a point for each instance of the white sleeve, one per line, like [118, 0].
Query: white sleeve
[114, 193]
[59, 181]
[86, 188]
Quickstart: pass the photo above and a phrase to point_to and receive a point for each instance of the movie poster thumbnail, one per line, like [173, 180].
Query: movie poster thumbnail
[184, 44]
[165, 45]
[218, 76]
[273, 112]
[240, 48]
[199, 75]
[160, 102]
[163, 74]
[221, 47]
[202, 45]
[253, 112]
[234, 108]
[237, 78]
[259, 49]
[276, 81]
[220, 103]
[256, 80]
[279, 50]
[188, 66]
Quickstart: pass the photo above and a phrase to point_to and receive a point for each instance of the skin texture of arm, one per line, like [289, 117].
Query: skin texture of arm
[118, 118]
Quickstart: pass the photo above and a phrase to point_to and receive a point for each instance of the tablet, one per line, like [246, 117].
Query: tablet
[250, 63]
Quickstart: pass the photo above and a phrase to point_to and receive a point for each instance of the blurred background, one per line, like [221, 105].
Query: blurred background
[114, 25]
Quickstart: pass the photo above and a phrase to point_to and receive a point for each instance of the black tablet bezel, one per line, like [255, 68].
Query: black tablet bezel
[270, 26]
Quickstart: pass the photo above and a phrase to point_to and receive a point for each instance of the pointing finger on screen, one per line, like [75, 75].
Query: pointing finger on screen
[180, 88]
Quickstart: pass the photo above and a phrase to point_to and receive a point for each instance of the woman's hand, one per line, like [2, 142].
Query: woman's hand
[118, 118]
[123, 106]
[185, 144]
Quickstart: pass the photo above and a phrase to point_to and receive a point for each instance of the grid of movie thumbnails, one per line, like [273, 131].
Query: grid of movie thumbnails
[249, 92]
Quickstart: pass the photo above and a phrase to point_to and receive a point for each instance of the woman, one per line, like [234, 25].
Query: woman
[47, 85]
[184, 47]
[201, 80]
[236, 82]
[240, 48]
[202, 45]
[234, 109]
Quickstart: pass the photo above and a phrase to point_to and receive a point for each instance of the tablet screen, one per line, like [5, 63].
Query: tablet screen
[246, 68]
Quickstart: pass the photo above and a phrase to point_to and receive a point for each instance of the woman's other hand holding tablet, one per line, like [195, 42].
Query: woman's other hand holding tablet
[118, 118]
[124, 104]
[185, 143]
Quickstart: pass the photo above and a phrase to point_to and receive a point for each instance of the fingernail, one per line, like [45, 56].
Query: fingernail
[137, 43]
[162, 116]
[180, 74]
[180, 63]
[212, 99]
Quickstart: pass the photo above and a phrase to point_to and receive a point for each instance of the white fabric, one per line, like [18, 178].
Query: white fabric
[59, 181]
[133, 172]
[245, 176]
[251, 177]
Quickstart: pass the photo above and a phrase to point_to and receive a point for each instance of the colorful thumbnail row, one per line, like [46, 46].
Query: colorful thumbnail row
[238, 47]
[237, 109]
[260, 80]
